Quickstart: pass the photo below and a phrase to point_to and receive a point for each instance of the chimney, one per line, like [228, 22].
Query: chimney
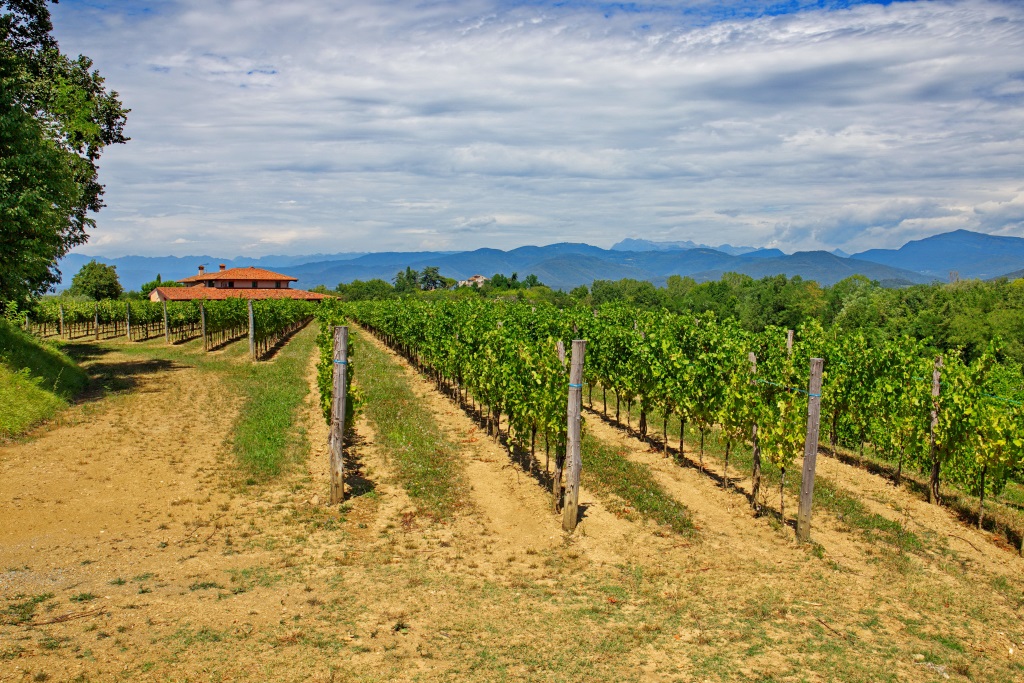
[202, 269]
[222, 267]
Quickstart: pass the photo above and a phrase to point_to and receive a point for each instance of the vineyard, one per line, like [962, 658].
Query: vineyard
[959, 423]
[266, 322]
[210, 543]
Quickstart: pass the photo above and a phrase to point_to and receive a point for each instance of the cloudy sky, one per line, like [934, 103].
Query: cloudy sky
[317, 126]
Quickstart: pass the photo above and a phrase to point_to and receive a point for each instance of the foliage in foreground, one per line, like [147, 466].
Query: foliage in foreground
[36, 380]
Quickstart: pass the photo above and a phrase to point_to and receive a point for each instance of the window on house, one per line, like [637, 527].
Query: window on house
[254, 283]
[231, 284]
[277, 285]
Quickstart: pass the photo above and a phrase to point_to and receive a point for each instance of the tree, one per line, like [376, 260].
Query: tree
[358, 290]
[97, 281]
[147, 289]
[407, 280]
[55, 119]
[431, 278]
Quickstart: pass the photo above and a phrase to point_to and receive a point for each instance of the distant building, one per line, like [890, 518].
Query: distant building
[475, 281]
[242, 283]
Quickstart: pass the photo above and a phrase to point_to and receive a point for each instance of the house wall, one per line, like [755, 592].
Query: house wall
[247, 284]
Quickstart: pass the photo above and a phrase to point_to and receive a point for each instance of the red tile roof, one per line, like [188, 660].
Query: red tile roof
[248, 273]
[217, 293]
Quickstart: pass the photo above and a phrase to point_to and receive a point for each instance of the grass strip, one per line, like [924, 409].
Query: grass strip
[265, 436]
[827, 494]
[606, 469]
[36, 380]
[427, 463]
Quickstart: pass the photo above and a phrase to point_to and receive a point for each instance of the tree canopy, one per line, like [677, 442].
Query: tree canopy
[56, 117]
[97, 281]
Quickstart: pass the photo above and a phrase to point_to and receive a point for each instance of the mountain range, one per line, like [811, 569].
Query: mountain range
[566, 265]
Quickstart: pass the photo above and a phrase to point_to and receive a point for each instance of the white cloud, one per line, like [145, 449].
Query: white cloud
[307, 125]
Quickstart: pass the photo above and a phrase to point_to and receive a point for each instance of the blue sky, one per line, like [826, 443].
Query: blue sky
[313, 126]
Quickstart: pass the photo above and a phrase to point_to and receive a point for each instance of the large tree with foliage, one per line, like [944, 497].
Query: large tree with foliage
[56, 117]
[97, 281]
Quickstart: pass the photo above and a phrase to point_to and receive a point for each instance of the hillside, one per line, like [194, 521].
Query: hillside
[36, 380]
[824, 268]
[970, 254]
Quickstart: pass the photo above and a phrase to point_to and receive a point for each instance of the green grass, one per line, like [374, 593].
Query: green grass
[827, 495]
[36, 380]
[606, 469]
[20, 612]
[427, 463]
[265, 438]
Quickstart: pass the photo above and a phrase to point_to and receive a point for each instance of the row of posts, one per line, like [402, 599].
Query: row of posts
[167, 330]
[573, 454]
[573, 450]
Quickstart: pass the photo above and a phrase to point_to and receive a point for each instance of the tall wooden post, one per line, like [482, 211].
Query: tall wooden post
[338, 407]
[202, 325]
[789, 343]
[572, 447]
[933, 484]
[755, 475]
[803, 516]
[61, 330]
[96, 322]
[167, 331]
[560, 348]
[252, 333]
[128, 319]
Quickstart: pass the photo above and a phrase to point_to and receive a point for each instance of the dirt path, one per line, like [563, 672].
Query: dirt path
[131, 549]
[127, 476]
[513, 505]
[955, 558]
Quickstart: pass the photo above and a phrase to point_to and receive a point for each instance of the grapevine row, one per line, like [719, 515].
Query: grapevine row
[711, 374]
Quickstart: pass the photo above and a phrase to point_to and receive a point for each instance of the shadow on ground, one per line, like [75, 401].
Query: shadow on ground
[108, 375]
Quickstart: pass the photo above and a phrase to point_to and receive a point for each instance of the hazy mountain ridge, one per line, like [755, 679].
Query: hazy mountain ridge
[969, 254]
[565, 265]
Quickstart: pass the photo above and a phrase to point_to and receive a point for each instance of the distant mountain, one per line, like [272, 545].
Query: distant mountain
[566, 265]
[969, 254]
[1015, 275]
[824, 268]
[632, 244]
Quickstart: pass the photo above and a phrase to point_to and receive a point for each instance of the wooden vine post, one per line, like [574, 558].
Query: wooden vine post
[96, 321]
[167, 330]
[338, 406]
[572, 446]
[933, 484]
[61, 331]
[128, 319]
[789, 343]
[755, 476]
[202, 325]
[803, 516]
[252, 333]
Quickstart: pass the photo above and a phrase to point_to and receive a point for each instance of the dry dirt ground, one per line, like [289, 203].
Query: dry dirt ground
[131, 549]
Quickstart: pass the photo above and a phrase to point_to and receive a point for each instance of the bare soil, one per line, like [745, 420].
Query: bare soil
[131, 549]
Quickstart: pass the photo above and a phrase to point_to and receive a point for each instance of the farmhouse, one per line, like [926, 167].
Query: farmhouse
[243, 283]
[475, 281]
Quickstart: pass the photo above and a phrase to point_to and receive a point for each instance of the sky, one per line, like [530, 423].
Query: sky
[316, 126]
